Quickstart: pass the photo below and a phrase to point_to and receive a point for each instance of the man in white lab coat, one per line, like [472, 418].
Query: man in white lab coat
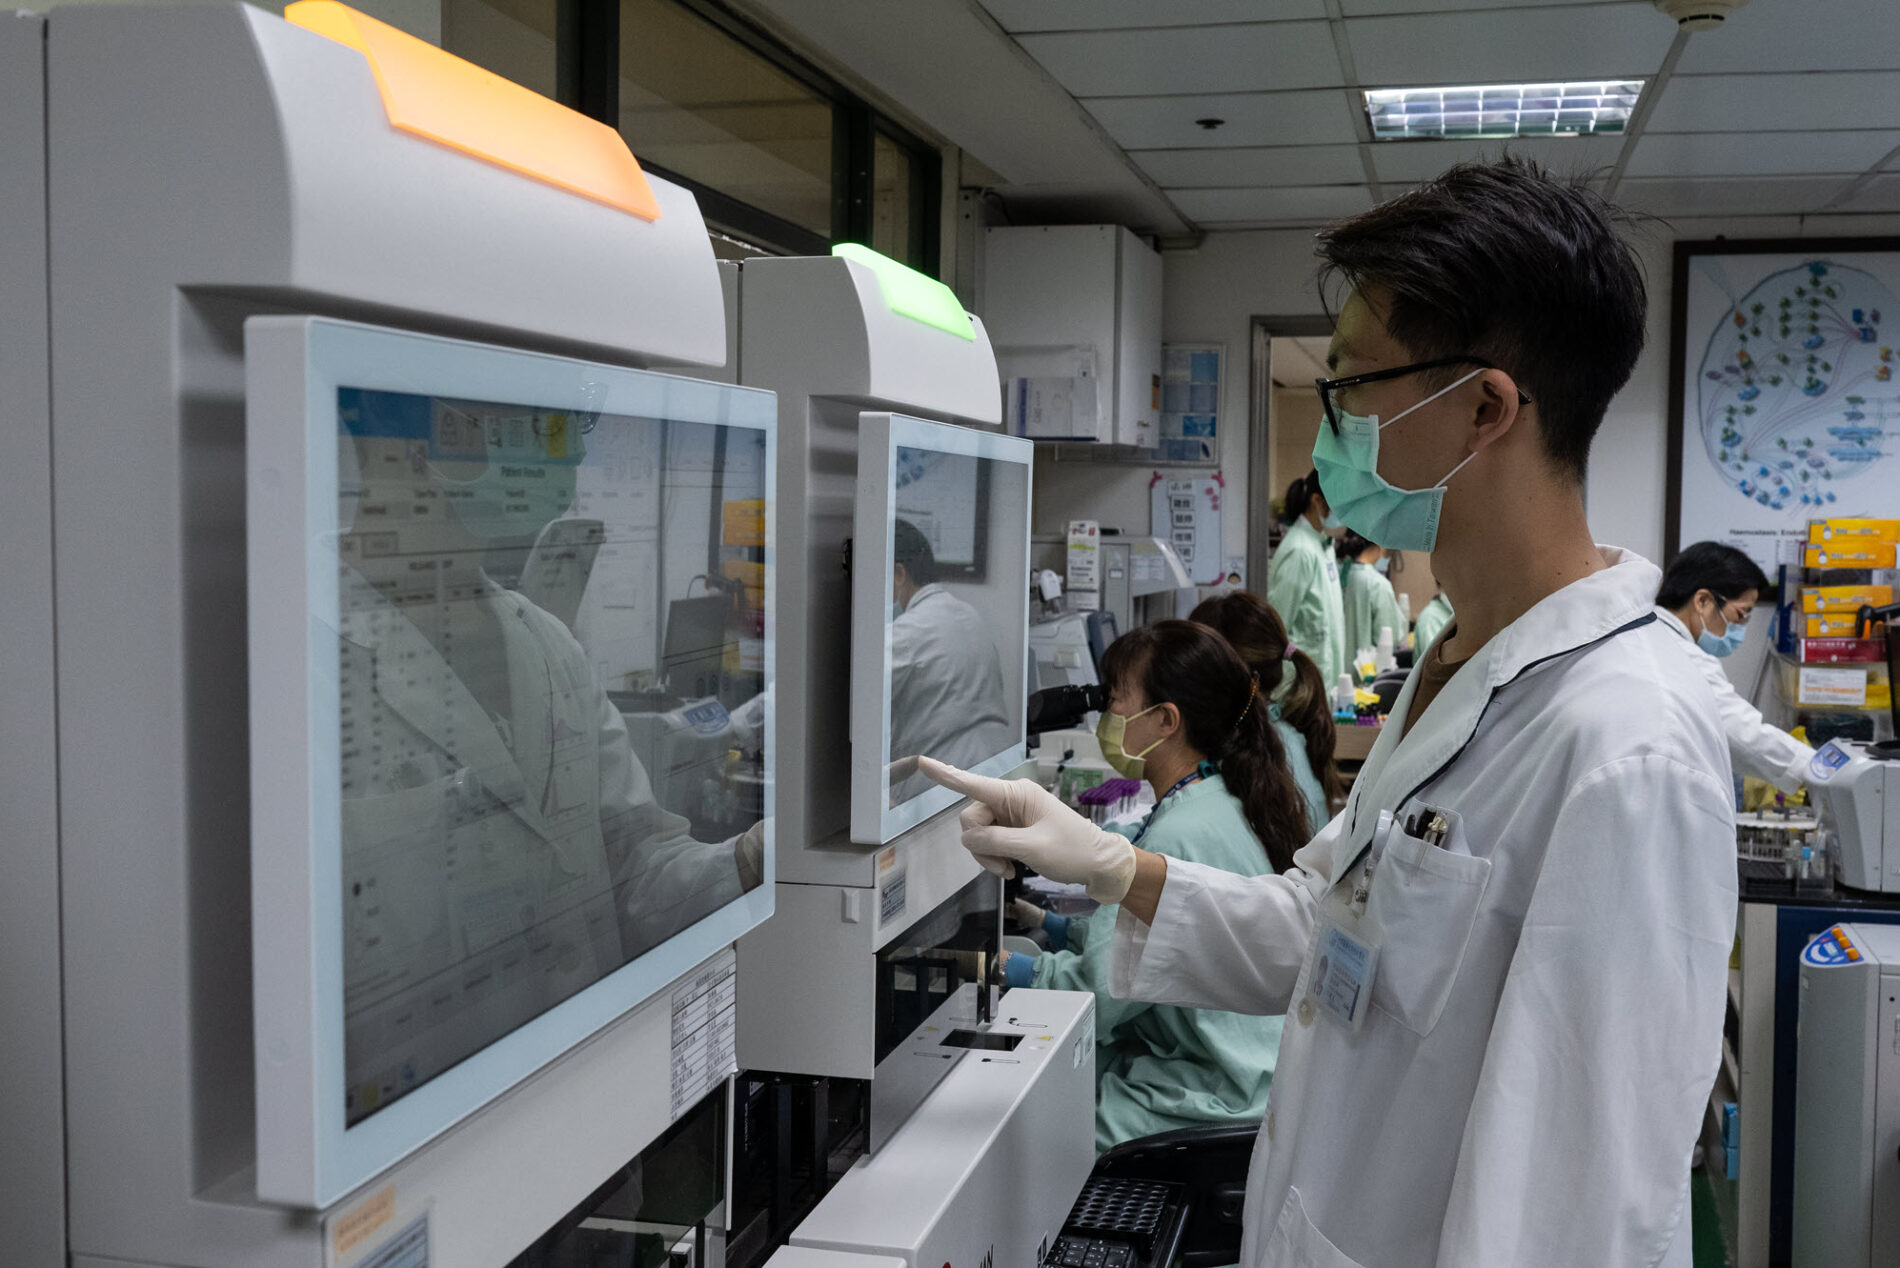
[1708, 593]
[1528, 903]
[946, 677]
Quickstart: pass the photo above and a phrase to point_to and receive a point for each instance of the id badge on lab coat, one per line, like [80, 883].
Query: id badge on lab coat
[1345, 963]
[1346, 960]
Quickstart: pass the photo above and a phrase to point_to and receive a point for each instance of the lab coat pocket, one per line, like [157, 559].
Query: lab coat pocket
[1297, 1244]
[1424, 903]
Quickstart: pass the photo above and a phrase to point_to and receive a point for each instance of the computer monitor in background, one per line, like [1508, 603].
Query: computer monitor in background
[939, 614]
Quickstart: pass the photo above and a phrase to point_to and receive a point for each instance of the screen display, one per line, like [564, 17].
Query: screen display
[959, 612]
[551, 629]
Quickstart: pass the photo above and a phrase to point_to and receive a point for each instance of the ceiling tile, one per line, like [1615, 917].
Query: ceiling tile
[1880, 194]
[1289, 204]
[1377, 8]
[1758, 154]
[1096, 15]
[1567, 42]
[1565, 156]
[1778, 103]
[1270, 165]
[1783, 35]
[1320, 117]
[1767, 196]
[1256, 57]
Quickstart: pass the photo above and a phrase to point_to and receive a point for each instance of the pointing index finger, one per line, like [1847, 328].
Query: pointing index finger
[993, 792]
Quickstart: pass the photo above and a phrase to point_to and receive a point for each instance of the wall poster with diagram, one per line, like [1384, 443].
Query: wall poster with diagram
[1784, 406]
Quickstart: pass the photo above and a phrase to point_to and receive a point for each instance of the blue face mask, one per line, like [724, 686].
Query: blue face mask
[1724, 644]
[1383, 565]
[1348, 466]
[1331, 523]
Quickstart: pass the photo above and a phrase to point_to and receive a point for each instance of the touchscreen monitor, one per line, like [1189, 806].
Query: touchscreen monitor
[472, 842]
[940, 614]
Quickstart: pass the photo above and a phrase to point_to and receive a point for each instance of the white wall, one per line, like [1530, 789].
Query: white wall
[1209, 295]
[1212, 294]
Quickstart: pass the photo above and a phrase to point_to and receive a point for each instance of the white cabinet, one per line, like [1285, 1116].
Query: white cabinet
[1074, 313]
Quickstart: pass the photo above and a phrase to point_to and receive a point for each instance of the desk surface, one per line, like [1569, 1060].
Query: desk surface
[1355, 742]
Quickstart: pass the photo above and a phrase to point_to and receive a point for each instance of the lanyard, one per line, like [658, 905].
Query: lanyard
[1194, 776]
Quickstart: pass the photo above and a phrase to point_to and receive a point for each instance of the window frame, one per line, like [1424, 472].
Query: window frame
[587, 74]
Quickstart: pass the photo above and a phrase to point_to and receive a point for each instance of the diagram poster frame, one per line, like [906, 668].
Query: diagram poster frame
[1784, 389]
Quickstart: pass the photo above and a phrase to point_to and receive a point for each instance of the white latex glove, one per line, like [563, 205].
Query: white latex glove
[1025, 913]
[1019, 819]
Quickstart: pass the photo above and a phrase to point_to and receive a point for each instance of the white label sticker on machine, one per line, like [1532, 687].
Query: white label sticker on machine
[1084, 1042]
[1833, 686]
[704, 1050]
[892, 886]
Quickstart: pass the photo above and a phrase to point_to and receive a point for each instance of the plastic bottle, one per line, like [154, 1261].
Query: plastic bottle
[1813, 877]
[1385, 660]
[1405, 607]
[1342, 697]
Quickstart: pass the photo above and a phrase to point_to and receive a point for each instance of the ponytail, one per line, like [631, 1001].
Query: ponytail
[1299, 495]
[1307, 707]
[1253, 763]
[1255, 630]
[1224, 712]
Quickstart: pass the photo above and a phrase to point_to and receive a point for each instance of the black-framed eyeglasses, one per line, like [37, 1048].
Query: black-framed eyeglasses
[1721, 605]
[1326, 387]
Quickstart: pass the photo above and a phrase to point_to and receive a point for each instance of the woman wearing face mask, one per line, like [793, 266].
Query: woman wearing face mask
[1368, 602]
[1707, 595]
[1303, 580]
[1186, 715]
[1302, 711]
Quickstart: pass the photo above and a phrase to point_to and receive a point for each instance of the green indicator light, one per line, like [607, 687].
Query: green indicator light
[911, 294]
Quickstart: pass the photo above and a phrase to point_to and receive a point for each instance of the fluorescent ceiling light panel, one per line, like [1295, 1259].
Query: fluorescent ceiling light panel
[1594, 106]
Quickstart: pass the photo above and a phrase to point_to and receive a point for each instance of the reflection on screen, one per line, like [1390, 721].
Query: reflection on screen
[959, 611]
[544, 617]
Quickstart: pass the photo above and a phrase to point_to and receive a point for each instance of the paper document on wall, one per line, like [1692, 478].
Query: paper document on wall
[1052, 393]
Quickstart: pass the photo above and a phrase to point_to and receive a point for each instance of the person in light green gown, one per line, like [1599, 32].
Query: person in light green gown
[1368, 602]
[1302, 712]
[1435, 617]
[1303, 581]
[1187, 715]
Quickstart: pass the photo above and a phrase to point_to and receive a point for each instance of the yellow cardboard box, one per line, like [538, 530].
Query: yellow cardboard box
[1831, 625]
[1815, 599]
[1821, 532]
[1851, 553]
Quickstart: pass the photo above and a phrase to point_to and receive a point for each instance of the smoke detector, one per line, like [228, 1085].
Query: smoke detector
[1699, 15]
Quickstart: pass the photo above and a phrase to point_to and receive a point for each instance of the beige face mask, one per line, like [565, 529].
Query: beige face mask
[1110, 732]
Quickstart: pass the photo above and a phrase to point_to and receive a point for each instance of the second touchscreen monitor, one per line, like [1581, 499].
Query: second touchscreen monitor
[940, 614]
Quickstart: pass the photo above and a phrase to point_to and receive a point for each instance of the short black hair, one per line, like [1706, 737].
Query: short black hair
[1722, 570]
[1503, 262]
[1351, 545]
[911, 548]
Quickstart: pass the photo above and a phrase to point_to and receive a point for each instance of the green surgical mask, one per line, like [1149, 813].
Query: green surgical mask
[1111, 730]
[1347, 459]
